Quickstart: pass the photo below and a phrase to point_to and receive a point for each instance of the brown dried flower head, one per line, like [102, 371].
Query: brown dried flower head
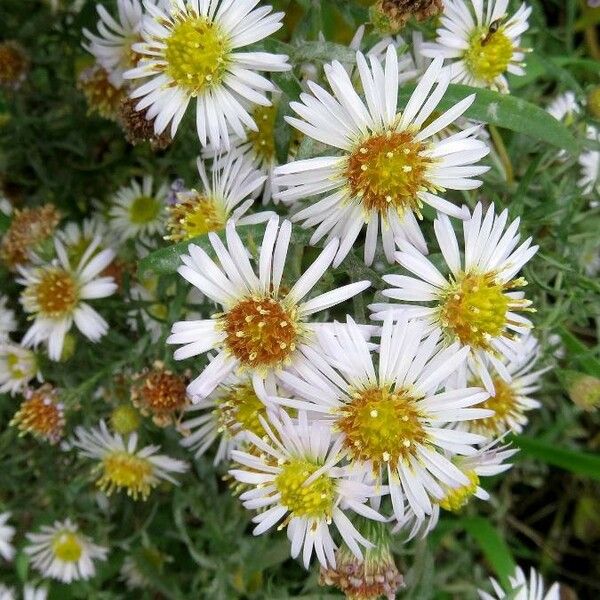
[101, 95]
[137, 128]
[14, 64]
[396, 13]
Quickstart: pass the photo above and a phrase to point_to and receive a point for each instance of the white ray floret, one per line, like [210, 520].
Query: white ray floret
[8, 321]
[18, 366]
[55, 297]
[523, 589]
[61, 552]
[193, 50]
[482, 41]
[390, 163]
[589, 162]
[7, 532]
[295, 477]
[475, 304]
[263, 328]
[392, 418]
[564, 107]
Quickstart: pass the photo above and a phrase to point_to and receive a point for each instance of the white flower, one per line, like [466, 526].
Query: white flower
[262, 328]
[7, 533]
[8, 322]
[132, 576]
[6, 593]
[30, 592]
[392, 420]
[521, 589]
[226, 193]
[191, 51]
[475, 305]
[76, 237]
[482, 41]
[61, 552]
[55, 296]
[113, 47]
[18, 366]
[564, 107]
[390, 165]
[122, 465]
[295, 474]
[137, 210]
[589, 162]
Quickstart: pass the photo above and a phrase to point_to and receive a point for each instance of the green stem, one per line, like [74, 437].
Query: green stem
[502, 154]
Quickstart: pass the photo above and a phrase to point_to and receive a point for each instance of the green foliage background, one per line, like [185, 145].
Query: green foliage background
[195, 541]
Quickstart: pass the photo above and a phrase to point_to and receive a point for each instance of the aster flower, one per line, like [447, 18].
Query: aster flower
[61, 552]
[101, 95]
[521, 589]
[564, 107]
[113, 47]
[296, 476]
[390, 164]
[482, 42]
[8, 321]
[55, 296]
[122, 465]
[18, 366]
[226, 193]
[76, 237]
[137, 210]
[589, 161]
[7, 532]
[219, 77]
[393, 421]
[475, 305]
[41, 414]
[262, 328]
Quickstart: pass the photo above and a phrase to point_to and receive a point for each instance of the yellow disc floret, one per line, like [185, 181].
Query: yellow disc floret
[67, 547]
[382, 426]
[263, 139]
[144, 209]
[260, 332]
[55, 294]
[193, 215]
[456, 498]
[506, 407]
[489, 53]
[314, 499]
[122, 470]
[388, 170]
[196, 53]
[474, 309]
[239, 410]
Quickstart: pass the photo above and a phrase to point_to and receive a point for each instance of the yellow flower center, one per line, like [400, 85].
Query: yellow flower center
[144, 210]
[381, 426]
[505, 406]
[67, 547]
[313, 500]
[195, 215]
[474, 309]
[76, 250]
[56, 292]
[263, 140]
[489, 53]
[239, 410]
[387, 171]
[122, 470]
[13, 362]
[197, 53]
[456, 498]
[260, 332]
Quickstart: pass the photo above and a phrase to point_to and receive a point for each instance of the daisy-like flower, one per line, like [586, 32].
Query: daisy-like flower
[7, 532]
[18, 366]
[589, 162]
[262, 327]
[76, 237]
[101, 95]
[30, 592]
[226, 193]
[390, 165]
[137, 210]
[226, 414]
[41, 414]
[191, 50]
[55, 296]
[61, 552]
[521, 589]
[393, 421]
[476, 305]
[512, 396]
[296, 475]
[8, 321]
[122, 466]
[113, 47]
[482, 42]
[564, 107]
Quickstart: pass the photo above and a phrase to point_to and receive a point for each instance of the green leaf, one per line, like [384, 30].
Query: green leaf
[508, 112]
[166, 261]
[492, 545]
[322, 52]
[584, 355]
[580, 463]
